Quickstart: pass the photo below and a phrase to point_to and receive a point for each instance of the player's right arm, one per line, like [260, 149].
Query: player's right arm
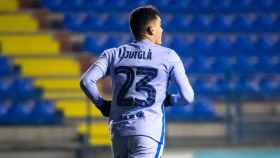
[89, 80]
[178, 75]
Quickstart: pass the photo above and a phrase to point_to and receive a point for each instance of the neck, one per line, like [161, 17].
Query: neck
[148, 38]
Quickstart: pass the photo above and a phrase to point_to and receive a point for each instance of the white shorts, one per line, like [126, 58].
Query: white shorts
[136, 147]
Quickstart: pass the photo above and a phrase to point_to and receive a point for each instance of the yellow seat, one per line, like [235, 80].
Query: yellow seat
[37, 44]
[58, 83]
[49, 66]
[98, 132]
[77, 108]
[8, 5]
[18, 23]
[63, 94]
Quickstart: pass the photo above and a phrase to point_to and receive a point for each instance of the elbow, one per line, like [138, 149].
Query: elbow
[83, 82]
[191, 98]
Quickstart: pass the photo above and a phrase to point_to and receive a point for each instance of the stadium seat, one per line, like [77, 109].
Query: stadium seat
[180, 45]
[98, 133]
[265, 5]
[44, 112]
[221, 46]
[92, 22]
[264, 44]
[276, 46]
[199, 23]
[241, 5]
[200, 45]
[263, 23]
[73, 22]
[180, 22]
[202, 5]
[271, 86]
[243, 45]
[222, 64]
[77, 108]
[16, 23]
[28, 44]
[241, 24]
[9, 5]
[201, 110]
[95, 43]
[219, 24]
[116, 22]
[68, 66]
[220, 6]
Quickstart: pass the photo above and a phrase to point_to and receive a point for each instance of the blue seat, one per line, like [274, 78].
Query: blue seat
[92, 22]
[96, 5]
[116, 22]
[73, 22]
[241, 24]
[114, 5]
[218, 5]
[201, 65]
[264, 44]
[200, 45]
[271, 63]
[179, 44]
[5, 105]
[222, 65]
[243, 45]
[130, 5]
[199, 23]
[173, 5]
[263, 5]
[276, 23]
[210, 88]
[233, 86]
[116, 40]
[250, 87]
[263, 23]
[45, 113]
[54, 5]
[221, 46]
[219, 24]
[73, 5]
[180, 22]
[23, 88]
[202, 5]
[270, 87]
[241, 5]
[5, 66]
[20, 113]
[243, 65]
[276, 47]
[94, 44]
[201, 110]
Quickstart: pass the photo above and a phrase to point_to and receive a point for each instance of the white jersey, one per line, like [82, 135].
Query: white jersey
[140, 74]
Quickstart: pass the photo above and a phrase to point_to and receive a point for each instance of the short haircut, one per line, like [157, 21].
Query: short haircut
[140, 18]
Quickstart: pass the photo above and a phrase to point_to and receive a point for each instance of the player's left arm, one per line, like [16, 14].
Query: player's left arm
[89, 80]
[178, 74]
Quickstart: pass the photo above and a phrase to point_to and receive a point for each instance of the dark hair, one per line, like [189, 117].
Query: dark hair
[139, 18]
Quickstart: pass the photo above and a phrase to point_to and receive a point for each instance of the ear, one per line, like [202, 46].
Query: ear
[150, 30]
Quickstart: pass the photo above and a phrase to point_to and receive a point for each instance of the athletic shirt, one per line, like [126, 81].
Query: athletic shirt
[141, 72]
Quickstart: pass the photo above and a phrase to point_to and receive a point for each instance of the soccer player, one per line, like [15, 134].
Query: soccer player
[140, 73]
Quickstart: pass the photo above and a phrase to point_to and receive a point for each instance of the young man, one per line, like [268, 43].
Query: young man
[140, 74]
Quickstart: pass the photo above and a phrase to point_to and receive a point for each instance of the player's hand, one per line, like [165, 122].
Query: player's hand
[105, 108]
[171, 99]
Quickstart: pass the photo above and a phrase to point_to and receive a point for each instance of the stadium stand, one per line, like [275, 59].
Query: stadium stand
[229, 48]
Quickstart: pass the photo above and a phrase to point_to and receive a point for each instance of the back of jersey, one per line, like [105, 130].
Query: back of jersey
[140, 74]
